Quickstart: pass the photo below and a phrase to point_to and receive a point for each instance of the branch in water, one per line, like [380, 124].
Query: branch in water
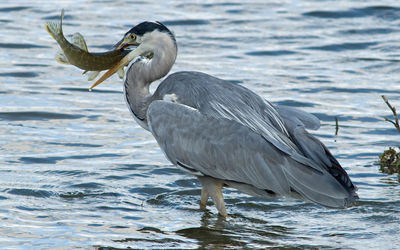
[396, 117]
[337, 125]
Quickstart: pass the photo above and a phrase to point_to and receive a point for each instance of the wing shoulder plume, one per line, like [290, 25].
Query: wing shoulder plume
[295, 117]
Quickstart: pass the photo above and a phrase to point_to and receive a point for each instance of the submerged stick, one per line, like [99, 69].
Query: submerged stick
[396, 117]
[337, 125]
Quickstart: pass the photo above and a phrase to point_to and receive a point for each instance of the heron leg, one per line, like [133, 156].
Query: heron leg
[213, 188]
[204, 198]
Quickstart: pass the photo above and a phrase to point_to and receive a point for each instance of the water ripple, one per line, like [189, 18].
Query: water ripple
[346, 90]
[384, 12]
[35, 115]
[55, 159]
[22, 46]
[336, 47]
[125, 209]
[149, 190]
[29, 192]
[87, 185]
[23, 74]
[186, 22]
[66, 144]
[368, 31]
[65, 172]
[294, 103]
[12, 9]
[270, 53]
[78, 172]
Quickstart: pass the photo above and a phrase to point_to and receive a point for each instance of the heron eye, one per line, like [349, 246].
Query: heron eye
[132, 37]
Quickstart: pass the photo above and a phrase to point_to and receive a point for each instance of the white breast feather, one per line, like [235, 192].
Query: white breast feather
[171, 98]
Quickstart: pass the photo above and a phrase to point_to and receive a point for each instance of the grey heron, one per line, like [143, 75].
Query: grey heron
[224, 133]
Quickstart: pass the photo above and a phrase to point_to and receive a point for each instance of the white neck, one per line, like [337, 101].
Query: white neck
[142, 71]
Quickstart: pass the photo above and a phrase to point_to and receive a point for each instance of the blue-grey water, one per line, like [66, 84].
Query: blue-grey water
[76, 171]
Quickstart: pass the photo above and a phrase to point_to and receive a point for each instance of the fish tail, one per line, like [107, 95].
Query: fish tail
[55, 29]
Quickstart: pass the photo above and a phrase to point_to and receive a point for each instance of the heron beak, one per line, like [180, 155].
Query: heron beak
[125, 42]
[124, 61]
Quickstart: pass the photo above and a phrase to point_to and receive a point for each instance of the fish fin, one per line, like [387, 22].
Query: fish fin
[91, 75]
[78, 40]
[121, 73]
[61, 58]
[55, 29]
[62, 17]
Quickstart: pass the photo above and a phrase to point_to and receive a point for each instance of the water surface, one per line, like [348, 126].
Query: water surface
[76, 171]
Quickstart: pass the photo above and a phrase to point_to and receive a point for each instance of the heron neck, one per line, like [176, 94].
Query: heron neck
[138, 99]
[140, 74]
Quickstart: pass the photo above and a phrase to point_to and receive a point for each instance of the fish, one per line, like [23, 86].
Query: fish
[79, 40]
[76, 52]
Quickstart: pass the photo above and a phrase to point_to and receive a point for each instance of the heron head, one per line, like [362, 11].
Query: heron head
[143, 32]
[147, 37]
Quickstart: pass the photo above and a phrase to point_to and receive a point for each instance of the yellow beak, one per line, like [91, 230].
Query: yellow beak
[126, 42]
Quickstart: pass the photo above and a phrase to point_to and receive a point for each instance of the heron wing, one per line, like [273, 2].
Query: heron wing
[226, 149]
[296, 122]
[222, 99]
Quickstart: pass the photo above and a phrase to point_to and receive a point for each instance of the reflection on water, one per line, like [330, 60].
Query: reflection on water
[213, 232]
[77, 172]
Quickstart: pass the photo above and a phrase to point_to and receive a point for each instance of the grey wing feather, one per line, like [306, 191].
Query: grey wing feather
[227, 150]
[295, 117]
[296, 122]
[222, 99]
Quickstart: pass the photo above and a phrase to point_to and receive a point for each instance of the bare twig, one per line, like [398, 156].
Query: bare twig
[396, 117]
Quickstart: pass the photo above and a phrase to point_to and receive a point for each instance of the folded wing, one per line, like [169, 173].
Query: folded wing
[226, 149]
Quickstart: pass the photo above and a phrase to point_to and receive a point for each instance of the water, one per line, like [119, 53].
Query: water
[78, 172]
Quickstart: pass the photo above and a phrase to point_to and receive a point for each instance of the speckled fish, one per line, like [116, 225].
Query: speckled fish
[77, 54]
